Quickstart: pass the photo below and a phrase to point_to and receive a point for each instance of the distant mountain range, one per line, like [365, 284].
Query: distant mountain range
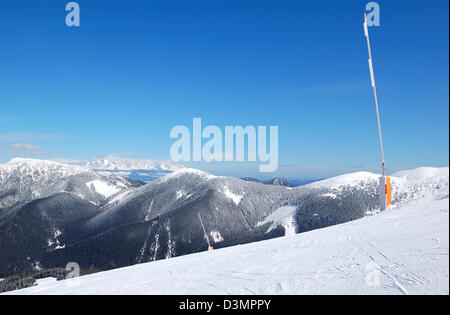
[112, 163]
[139, 169]
[53, 213]
[149, 170]
[273, 181]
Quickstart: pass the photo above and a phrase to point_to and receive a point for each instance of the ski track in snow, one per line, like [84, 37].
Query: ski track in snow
[405, 249]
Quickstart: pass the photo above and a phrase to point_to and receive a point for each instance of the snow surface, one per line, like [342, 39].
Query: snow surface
[120, 197]
[103, 188]
[180, 194]
[283, 216]
[42, 283]
[231, 195]
[352, 179]
[217, 238]
[399, 251]
[420, 185]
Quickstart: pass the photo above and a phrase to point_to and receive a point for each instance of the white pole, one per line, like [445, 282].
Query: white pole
[372, 78]
[204, 230]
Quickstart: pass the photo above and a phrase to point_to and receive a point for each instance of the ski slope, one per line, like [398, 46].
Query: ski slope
[403, 250]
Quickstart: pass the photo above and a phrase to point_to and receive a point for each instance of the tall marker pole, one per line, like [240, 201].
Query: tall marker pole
[385, 181]
[204, 230]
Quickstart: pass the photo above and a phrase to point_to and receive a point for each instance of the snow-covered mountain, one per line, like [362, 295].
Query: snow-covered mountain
[420, 185]
[400, 251]
[160, 219]
[23, 180]
[41, 200]
[411, 186]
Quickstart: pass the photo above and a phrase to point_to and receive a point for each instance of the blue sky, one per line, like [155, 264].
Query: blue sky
[134, 69]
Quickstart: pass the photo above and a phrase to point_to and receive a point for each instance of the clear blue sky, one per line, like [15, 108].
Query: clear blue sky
[135, 69]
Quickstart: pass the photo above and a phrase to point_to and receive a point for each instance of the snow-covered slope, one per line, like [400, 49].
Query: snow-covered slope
[420, 185]
[400, 251]
[416, 185]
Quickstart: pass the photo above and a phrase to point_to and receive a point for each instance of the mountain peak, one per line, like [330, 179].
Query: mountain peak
[190, 171]
[422, 172]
